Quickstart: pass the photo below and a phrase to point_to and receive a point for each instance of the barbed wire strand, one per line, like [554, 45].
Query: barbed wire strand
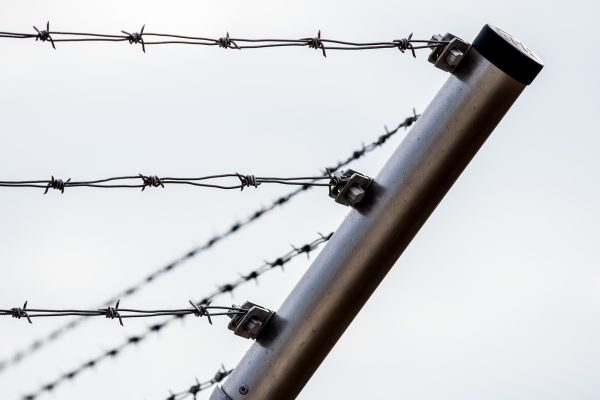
[226, 42]
[143, 181]
[54, 335]
[122, 313]
[193, 390]
[253, 275]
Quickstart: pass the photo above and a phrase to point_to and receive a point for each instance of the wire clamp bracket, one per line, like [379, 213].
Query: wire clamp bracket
[348, 187]
[449, 56]
[250, 324]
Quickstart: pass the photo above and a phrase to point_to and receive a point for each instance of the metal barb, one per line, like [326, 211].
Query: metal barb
[152, 181]
[57, 184]
[227, 43]
[247, 181]
[316, 43]
[44, 35]
[19, 313]
[200, 310]
[405, 44]
[136, 37]
[112, 312]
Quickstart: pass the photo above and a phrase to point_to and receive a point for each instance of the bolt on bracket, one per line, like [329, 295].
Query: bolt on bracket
[449, 56]
[250, 324]
[348, 187]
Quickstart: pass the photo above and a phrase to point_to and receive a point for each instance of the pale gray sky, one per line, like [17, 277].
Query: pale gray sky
[498, 296]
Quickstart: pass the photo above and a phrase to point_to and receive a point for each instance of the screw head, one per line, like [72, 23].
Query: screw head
[244, 389]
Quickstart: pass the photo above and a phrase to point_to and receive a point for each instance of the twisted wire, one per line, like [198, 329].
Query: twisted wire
[54, 335]
[229, 287]
[225, 42]
[199, 310]
[193, 390]
[145, 181]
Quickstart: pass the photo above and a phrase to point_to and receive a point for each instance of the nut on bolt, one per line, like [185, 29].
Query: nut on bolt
[249, 324]
[447, 56]
[253, 327]
[454, 57]
[349, 187]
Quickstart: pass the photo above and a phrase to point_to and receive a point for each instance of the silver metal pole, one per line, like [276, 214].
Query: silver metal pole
[482, 88]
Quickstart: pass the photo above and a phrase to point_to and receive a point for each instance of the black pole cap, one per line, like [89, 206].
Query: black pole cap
[508, 54]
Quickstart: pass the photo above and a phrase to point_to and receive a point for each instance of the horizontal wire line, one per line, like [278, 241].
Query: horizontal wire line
[253, 275]
[55, 334]
[156, 181]
[116, 312]
[227, 42]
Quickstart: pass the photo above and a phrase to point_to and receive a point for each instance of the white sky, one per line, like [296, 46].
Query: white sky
[497, 297]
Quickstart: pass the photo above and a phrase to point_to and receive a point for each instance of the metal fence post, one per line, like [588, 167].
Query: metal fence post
[482, 88]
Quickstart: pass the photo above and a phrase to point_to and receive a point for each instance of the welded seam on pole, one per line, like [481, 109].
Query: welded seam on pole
[253, 275]
[17, 357]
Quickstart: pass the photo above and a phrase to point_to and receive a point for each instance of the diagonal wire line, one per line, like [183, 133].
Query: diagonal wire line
[36, 345]
[142, 182]
[226, 42]
[201, 386]
[253, 275]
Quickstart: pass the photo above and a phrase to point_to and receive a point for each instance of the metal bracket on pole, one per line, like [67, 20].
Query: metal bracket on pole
[250, 324]
[348, 187]
[448, 57]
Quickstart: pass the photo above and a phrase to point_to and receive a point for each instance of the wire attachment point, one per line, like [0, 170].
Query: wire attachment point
[348, 187]
[249, 324]
[448, 52]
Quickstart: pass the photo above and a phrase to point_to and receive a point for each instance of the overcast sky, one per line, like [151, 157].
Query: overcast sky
[497, 297]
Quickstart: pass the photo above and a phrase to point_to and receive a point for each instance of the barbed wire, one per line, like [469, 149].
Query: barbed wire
[122, 313]
[226, 42]
[54, 335]
[193, 390]
[253, 275]
[133, 182]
